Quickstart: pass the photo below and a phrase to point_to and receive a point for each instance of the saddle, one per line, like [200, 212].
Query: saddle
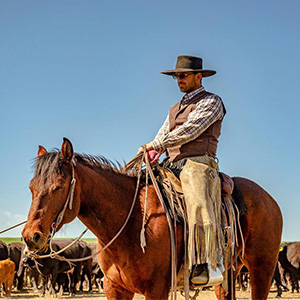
[227, 183]
[233, 206]
[172, 190]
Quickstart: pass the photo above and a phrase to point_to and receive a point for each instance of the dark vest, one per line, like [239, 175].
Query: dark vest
[205, 143]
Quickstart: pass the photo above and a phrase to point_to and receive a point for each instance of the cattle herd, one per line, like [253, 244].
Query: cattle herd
[287, 273]
[18, 271]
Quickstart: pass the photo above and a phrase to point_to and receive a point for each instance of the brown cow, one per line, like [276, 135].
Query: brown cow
[7, 273]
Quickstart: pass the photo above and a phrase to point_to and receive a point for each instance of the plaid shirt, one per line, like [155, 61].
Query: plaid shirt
[207, 111]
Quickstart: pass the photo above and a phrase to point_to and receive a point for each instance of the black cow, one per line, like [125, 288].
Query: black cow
[49, 268]
[15, 252]
[3, 251]
[64, 282]
[288, 261]
[97, 274]
[243, 279]
[64, 279]
[87, 267]
[34, 278]
[97, 277]
[277, 277]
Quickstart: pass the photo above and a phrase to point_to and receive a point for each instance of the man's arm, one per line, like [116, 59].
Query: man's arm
[164, 129]
[207, 112]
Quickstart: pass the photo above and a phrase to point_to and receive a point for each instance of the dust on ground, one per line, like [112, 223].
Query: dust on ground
[207, 295]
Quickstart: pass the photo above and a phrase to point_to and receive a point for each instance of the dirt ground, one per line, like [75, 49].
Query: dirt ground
[207, 295]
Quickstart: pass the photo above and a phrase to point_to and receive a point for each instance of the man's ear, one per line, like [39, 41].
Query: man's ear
[66, 150]
[199, 76]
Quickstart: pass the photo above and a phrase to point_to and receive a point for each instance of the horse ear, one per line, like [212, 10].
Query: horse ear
[67, 150]
[42, 151]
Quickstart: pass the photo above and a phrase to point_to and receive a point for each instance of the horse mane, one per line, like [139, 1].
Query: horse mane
[51, 162]
[100, 163]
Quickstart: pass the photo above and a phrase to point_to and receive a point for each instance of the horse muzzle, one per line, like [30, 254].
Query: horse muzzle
[34, 241]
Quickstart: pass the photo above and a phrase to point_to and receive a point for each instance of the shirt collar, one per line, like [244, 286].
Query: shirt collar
[188, 96]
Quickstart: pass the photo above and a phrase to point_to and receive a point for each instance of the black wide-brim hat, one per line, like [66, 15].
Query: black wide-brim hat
[186, 63]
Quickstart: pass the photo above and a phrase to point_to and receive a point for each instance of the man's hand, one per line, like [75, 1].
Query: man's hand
[153, 155]
[148, 148]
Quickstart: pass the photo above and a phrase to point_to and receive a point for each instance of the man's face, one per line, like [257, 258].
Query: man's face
[188, 82]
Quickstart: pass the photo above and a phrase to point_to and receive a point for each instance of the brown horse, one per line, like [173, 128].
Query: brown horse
[102, 198]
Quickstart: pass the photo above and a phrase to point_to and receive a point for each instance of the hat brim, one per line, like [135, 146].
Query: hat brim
[205, 73]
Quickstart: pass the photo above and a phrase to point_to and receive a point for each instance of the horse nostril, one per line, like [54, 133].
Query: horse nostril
[36, 237]
[34, 241]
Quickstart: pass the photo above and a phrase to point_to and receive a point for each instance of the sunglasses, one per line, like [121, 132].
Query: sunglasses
[181, 76]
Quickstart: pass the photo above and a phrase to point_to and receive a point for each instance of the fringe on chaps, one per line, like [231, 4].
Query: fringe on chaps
[202, 192]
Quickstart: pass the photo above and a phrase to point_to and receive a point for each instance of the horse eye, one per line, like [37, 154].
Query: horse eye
[58, 188]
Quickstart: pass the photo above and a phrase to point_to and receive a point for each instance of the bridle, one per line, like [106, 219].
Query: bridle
[58, 220]
[69, 202]
[60, 217]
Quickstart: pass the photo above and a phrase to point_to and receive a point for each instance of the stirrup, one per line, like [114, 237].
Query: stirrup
[208, 277]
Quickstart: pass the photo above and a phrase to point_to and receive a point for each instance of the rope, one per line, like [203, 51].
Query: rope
[135, 163]
[142, 234]
[172, 237]
[12, 227]
[240, 229]
[54, 254]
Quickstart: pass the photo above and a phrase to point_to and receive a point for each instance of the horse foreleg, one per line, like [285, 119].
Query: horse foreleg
[159, 292]
[116, 292]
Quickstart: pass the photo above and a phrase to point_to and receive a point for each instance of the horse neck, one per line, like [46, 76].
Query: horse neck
[105, 200]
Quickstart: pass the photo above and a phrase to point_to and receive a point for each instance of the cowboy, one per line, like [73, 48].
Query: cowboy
[189, 137]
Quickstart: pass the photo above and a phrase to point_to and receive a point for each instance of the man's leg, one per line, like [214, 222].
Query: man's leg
[201, 188]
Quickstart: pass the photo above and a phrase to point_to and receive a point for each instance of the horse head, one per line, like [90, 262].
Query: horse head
[54, 199]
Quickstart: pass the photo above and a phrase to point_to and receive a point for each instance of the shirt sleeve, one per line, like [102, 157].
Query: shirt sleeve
[207, 111]
[162, 132]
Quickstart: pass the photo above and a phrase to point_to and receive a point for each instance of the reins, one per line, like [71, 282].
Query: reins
[171, 229]
[136, 162]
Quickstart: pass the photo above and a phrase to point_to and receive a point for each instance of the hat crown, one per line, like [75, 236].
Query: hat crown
[189, 62]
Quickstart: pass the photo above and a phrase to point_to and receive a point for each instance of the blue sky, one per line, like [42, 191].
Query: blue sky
[90, 71]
